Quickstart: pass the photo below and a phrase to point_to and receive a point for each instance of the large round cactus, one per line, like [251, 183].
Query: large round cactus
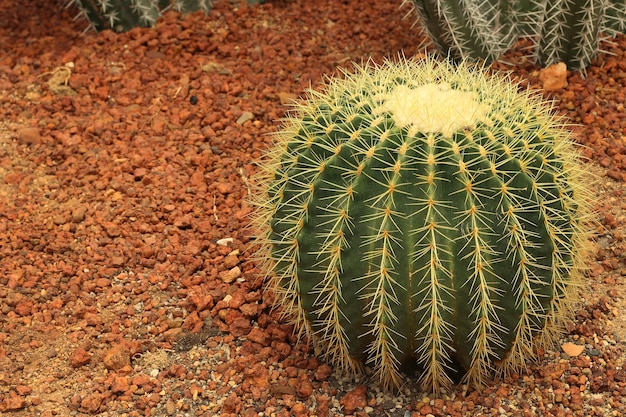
[419, 216]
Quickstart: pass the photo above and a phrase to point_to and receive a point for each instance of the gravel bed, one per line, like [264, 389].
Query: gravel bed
[127, 285]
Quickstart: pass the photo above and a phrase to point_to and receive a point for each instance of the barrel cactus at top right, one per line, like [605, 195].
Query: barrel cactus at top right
[566, 31]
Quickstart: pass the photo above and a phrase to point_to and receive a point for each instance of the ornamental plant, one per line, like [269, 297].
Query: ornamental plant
[563, 30]
[123, 15]
[423, 217]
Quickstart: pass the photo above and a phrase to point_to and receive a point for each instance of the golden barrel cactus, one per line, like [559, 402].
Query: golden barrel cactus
[425, 217]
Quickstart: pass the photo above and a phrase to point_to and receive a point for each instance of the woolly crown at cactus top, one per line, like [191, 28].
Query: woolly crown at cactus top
[422, 218]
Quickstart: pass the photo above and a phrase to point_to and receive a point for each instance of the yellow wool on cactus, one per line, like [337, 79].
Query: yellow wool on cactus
[424, 218]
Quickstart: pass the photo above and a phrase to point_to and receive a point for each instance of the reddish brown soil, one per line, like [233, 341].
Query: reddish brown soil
[126, 285]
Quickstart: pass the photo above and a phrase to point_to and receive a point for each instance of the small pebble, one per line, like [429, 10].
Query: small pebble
[245, 116]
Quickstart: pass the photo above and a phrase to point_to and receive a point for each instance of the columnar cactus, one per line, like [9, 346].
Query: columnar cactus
[123, 15]
[417, 216]
[564, 30]
[468, 28]
[569, 31]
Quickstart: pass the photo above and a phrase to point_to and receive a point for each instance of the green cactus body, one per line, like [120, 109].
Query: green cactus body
[423, 217]
[123, 15]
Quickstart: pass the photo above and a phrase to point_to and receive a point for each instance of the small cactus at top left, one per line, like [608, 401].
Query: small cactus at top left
[123, 15]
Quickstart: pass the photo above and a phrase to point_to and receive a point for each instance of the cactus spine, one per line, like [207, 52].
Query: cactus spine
[123, 15]
[420, 216]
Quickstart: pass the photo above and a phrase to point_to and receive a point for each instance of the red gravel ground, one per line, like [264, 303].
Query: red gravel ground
[126, 285]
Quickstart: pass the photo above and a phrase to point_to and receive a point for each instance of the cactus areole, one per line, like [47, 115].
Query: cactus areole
[423, 217]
